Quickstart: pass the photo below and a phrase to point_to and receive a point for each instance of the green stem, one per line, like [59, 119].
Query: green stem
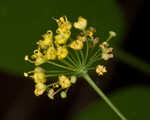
[104, 97]
[59, 65]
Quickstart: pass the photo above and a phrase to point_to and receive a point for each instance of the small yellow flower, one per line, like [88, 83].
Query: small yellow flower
[39, 89]
[51, 53]
[62, 38]
[39, 75]
[48, 37]
[100, 69]
[39, 57]
[64, 81]
[81, 23]
[63, 25]
[51, 93]
[76, 45]
[81, 38]
[62, 52]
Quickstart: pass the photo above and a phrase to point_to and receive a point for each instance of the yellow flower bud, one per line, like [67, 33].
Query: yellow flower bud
[81, 23]
[63, 94]
[64, 81]
[100, 69]
[62, 52]
[73, 79]
[39, 89]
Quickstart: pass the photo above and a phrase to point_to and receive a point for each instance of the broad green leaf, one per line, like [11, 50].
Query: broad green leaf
[133, 103]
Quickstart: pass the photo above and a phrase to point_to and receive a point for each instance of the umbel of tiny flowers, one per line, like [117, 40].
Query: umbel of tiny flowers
[60, 59]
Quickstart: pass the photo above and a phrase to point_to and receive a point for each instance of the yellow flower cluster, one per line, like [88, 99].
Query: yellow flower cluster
[63, 31]
[54, 49]
[39, 79]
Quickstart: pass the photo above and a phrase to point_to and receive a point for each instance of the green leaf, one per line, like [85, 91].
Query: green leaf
[133, 102]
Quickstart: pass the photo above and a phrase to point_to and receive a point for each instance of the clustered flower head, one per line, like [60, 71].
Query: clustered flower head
[60, 58]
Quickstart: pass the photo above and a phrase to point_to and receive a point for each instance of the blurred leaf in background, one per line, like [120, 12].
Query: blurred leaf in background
[23, 22]
[133, 102]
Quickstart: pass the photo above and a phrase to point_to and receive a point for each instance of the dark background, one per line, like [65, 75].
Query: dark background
[17, 101]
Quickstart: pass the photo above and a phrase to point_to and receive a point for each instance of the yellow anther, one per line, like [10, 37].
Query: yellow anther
[100, 69]
[64, 81]
[56, 85]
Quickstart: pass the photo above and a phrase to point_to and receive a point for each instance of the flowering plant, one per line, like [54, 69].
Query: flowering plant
[64, 58]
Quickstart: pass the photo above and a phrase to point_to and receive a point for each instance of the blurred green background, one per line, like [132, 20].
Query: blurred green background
[127, 84]
[23, 22]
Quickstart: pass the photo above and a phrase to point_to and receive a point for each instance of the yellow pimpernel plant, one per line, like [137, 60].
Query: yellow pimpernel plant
[61, 58]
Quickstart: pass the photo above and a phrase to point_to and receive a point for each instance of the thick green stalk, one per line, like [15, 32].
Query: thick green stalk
[104, 97]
